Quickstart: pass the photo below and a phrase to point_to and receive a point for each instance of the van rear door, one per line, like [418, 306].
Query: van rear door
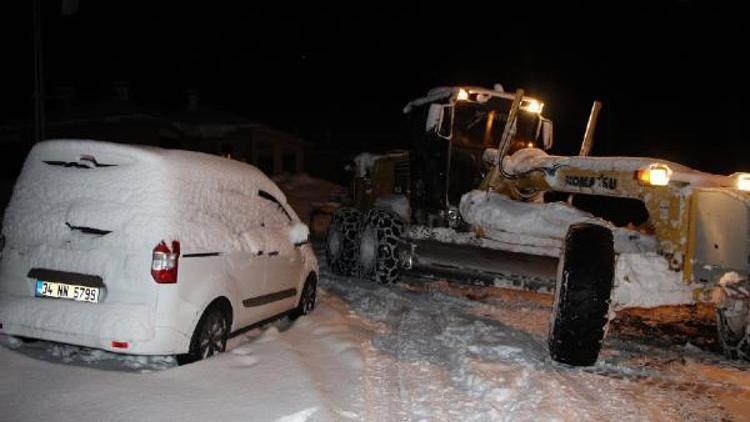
[89, 208]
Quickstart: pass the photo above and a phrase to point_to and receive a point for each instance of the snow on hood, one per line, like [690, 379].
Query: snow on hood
[528, 159]
[498, 212]
[543, 224]
[642, 277]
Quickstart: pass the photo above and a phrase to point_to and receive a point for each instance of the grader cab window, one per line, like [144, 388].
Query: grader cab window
[476, 125]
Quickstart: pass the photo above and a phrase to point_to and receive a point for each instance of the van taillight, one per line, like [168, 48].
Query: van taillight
[164, 262]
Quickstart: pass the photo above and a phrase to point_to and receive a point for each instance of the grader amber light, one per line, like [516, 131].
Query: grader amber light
[655, 175]
[743, 181]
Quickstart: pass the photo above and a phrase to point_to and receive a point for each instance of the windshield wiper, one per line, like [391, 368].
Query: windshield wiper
[83, 163]
[88, 230]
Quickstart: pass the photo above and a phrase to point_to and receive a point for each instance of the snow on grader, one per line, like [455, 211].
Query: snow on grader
[468, 200]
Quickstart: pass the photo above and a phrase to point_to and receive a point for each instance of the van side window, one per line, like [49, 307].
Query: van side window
[231, 208]
[274, 213]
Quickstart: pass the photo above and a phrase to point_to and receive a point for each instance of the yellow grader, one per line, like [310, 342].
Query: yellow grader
[474, 198]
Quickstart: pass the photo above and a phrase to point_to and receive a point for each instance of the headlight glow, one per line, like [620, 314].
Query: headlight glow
[462, 95]
[743, 181]
[532, 106]
[655, 175]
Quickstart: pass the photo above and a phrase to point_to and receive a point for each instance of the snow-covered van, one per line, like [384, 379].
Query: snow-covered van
[142, 250]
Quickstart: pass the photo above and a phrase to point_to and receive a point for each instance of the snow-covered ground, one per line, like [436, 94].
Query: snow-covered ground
[417, 350]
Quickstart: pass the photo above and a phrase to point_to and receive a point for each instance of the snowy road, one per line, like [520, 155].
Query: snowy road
[412, 351]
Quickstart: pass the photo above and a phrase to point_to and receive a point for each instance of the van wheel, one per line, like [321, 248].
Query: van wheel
[307, 298]
[585, 275]
[209, 337]
[342, 241]
[378, 257]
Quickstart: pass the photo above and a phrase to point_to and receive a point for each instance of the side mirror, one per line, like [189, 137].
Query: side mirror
[299, 234]
[440, 119]
[547, 133]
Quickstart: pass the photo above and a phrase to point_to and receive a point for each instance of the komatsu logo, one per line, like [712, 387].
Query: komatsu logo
[605, 182]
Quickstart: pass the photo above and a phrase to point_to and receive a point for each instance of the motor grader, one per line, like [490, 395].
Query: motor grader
[478, 197]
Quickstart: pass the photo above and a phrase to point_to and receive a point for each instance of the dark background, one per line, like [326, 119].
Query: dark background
[671, 74]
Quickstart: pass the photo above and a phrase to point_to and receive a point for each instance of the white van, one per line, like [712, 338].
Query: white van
[142, 250]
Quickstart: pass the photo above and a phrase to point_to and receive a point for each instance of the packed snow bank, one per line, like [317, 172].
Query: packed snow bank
[89, 358]
[645, 281]
[303, 192]
[106, 321]
[307, 371]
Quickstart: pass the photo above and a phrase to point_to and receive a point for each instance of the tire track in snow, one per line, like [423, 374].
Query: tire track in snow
[487, 370]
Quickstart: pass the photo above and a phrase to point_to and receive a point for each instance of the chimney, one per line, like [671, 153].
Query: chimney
[122, 91]
[66, 95]
[193, 98]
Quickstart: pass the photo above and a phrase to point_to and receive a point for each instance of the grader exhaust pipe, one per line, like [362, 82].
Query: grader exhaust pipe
[588, 136]
[505, 140]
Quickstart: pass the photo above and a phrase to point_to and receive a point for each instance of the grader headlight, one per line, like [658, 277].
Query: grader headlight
[463, 95]
[655, 175]
[743, 181]
[532, 106]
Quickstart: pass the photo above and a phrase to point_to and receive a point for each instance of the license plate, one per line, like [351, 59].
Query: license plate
[67, 291]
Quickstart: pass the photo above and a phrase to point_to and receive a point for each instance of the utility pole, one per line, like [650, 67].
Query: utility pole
[39, 121]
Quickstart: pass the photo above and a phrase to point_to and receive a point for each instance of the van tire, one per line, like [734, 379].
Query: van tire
[342, 241]
[379, 239]
[306, 302]
[585, 276]
[209, 338]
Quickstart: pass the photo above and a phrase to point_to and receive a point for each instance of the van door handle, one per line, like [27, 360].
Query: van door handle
[274, 253]
[259, 253]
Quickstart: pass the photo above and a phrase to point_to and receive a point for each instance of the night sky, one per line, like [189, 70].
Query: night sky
[671, 74]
